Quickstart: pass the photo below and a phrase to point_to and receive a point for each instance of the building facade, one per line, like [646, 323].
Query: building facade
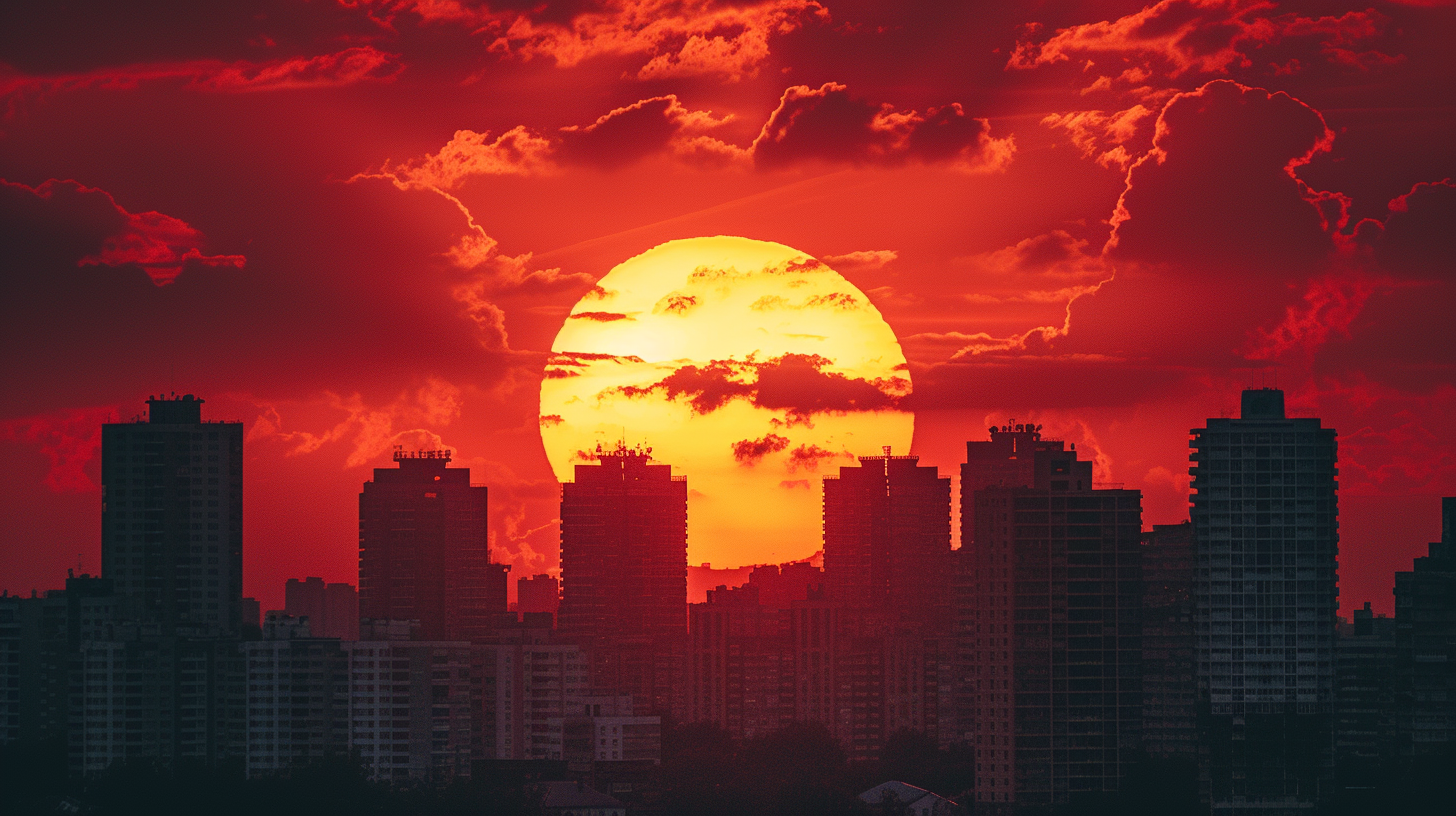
[332, 609]
[887, 543]
[1264, 513]
[172, 518]
[423, 549]
[624, 568]
[1170, 721]
[1425, 646]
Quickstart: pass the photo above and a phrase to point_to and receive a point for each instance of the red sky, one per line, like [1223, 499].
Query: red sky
[357, 224]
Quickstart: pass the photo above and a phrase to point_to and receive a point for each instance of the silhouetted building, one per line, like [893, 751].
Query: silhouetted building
[1015, 456]
[887, 543]
[1364, 696]
[539, 593]
[624, 573]
[417, 711]
[1425, 646]
[252, 619]
[1054, 631]
[1170, 721]
[532, 688]
[331, 608]
[40, 638]
[1264, 520]
[740, 664]
[423, 549]
[298, 699]
[172, 518]
[168, 701]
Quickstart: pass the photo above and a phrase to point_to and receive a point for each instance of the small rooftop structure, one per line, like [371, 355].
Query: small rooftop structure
[576, 799]
[899, 797]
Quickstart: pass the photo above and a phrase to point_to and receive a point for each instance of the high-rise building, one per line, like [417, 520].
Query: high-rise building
[1365, 661]
[417, 708]
[1425, 646]
[1264, 521]
[332, 609]
[298, 700]
[172, 518]
[423, 549]
[624, 557]
[1170, 722]
[538, 593]
[1015, 456]
[887, 543]
[740, 663]
[1050, 627]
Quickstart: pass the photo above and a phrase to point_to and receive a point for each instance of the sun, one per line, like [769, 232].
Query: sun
[751, 368]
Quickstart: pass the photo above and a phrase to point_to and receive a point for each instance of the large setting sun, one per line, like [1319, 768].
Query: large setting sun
[752, 368]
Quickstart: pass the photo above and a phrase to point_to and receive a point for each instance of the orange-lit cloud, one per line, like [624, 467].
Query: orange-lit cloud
[69, 440]
[1203, 36]
[348, 66]
[157, 243]
[828, 124]
[1219, 185]
[678, 38]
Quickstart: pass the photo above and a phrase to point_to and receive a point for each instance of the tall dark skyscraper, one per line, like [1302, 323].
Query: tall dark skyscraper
[624, 574]
[423, 549]
[172, 518]
[1425, 646]
[1050, 624]
[1266, 536]
[624, 548]
[887, 542]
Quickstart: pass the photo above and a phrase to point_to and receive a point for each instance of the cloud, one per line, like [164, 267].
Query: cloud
[795, 383]
[346, 67]
[599, 317]
[677, 304]
[1106, 134]
[1204, 36]
[517, 152]
[87, 222]
[69, 440]
[862, 260]
[794, 484]
[679, 38]
[413, 419]
[808, 457]
[1219, 188]
[1416, 236]
[1329, 306]
[749, 451]
[628, 134]
[827, 124]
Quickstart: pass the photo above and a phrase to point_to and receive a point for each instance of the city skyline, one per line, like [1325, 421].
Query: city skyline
[351, 226]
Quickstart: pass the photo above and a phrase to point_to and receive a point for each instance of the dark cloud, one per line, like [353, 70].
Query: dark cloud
[600, 317]
[749, 451]
[827, 124]
[56, 210]
[808, 457]
[629, 134]
[795, 383]
[1218, 189]
[1418, 234]
[675, 304]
